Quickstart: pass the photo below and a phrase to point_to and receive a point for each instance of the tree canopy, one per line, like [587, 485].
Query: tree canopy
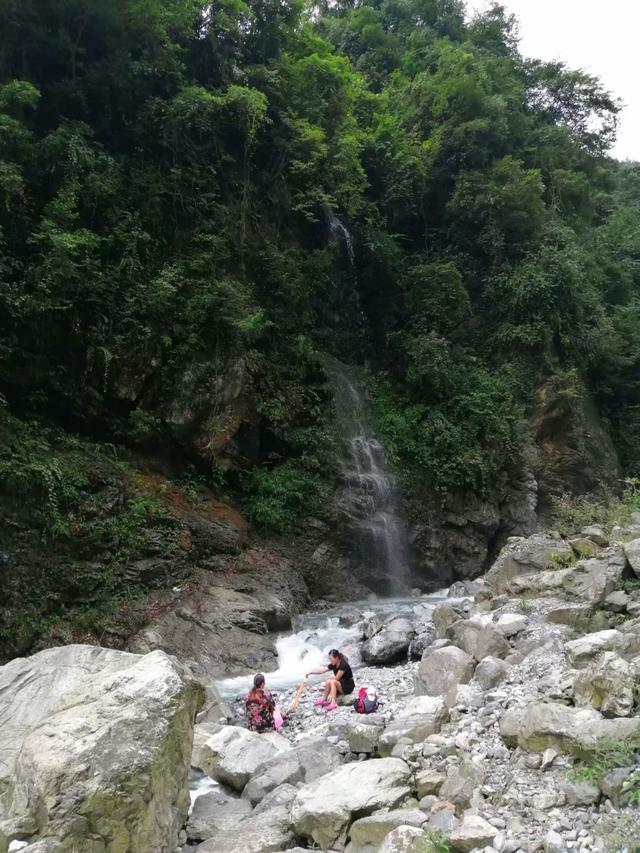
[168, 174]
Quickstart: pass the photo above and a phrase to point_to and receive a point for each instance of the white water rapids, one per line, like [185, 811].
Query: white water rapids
[306, 647]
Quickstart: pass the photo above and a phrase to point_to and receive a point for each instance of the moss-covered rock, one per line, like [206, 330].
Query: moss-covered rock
[95, 749]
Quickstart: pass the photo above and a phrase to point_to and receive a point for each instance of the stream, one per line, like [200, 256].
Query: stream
[306, 647]
[314, 633]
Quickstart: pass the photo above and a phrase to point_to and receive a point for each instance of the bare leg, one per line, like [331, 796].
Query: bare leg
[335, 687]
[327, 688]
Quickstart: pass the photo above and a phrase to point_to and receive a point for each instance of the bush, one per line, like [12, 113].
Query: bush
[608, 754]
[571, 513]
[283, 494]
[464, 442]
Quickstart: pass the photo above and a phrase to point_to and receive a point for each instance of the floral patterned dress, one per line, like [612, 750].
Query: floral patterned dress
[260, 706]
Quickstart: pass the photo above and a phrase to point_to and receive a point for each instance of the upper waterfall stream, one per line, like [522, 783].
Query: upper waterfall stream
[368, 498]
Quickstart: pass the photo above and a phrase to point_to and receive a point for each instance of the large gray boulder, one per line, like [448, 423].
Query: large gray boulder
[389, 645]
[632, 553]
[215, 811]
[580, 793]
[303, 763]
[537, 726]
[428, 782]
[490, 672]
[96, 742]
[368, 833]
[323, 810]
[364, 733]
[444, 615]
[478, 640]
[592, 580]
[266, 830]
[232, 755]
[443, 669]
[474, 833]
[460, 783]
[540, 583]
[405, 839]
[510, 624]
[608, 684]
[596, 534]
[423, 716]
[424, 638]
[581, 652]
[522, 556]
[616, 785]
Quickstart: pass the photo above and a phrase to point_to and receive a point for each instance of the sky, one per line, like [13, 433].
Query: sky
[599, 37]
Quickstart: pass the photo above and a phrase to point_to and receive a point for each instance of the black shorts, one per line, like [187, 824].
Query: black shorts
[347, 687]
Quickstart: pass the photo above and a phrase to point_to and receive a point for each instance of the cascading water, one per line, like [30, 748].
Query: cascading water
[313, 634]
[369, 498]
[304, 649]
[340, 234]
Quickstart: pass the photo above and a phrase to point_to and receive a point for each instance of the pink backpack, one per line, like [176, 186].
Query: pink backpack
[367, 701]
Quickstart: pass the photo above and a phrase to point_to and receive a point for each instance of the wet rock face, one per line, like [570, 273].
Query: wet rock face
[127, 717]
[574, 451]
[461, 538]
[210, 409]
[224, 624]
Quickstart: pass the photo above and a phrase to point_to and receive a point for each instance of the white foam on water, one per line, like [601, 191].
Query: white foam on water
[17, 845]
[300, 652]
[199, 787]
[307, 647]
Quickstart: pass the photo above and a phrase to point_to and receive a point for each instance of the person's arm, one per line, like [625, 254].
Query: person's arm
[319, 671]
[339, 674]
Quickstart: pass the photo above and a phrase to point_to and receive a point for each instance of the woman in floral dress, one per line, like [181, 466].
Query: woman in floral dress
[260, 706]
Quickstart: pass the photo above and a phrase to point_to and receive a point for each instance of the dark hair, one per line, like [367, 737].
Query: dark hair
[334, 653]
[258, 681]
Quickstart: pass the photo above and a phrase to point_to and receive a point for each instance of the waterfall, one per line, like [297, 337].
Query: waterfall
[369, 498]
[340, 234]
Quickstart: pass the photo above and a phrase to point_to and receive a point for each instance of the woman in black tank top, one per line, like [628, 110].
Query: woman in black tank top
[342, 681]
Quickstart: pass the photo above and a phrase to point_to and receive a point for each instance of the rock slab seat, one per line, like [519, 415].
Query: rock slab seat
[323, 810]
[540, 725]
[232, 755]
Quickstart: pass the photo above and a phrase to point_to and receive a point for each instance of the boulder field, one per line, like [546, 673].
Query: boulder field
[509, 723]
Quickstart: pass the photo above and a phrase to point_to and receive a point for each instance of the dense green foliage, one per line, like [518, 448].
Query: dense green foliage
[74, 520]
[169, 171]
